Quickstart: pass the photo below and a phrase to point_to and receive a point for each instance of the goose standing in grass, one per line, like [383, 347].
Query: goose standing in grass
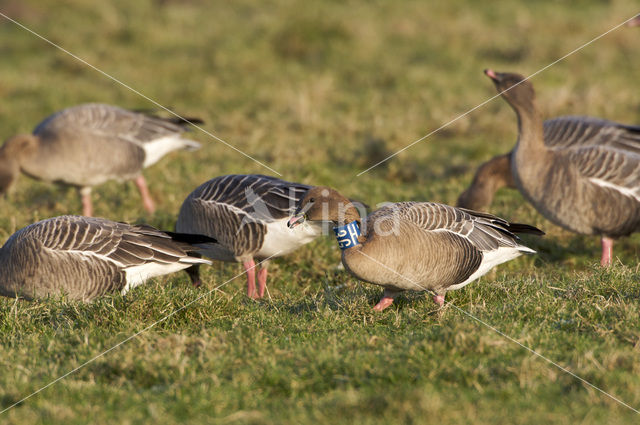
[558, 133]
[247, 214]
[414, 245]
[84, 257]
[87, 145]
[591, 190]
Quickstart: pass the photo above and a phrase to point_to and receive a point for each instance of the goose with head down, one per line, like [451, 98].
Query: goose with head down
[588, 189]
[83, 257]
[89, 144]
[247, 214]
[419, 246]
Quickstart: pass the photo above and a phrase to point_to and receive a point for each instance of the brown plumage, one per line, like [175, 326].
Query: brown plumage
[247, 214]
[417, 245]
[89, 144]
[562, 132]
[83, 257]
[588, 189]
[490, 176]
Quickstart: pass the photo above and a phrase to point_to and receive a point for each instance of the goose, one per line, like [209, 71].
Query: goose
[490, 176]
[562, 132]
[247, 214]
[88, 144]
[586, 189]
[84, 257]
[414, 245]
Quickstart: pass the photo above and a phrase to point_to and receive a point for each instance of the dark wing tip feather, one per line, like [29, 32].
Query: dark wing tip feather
[184, 120]
[191, 238]
[524, 228]
[181, 121]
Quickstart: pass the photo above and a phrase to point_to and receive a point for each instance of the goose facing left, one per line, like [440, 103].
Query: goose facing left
[415, 245]
[83, 257]
[587, 189]
[89, 144]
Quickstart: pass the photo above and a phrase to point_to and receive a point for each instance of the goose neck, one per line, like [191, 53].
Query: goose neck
[530, 129]
[348, 236]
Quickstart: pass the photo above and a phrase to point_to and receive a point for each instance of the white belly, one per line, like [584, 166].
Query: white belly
[281, 240]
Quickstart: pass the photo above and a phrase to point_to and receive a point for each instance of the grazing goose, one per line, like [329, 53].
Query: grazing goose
[490, 176]
[247, 215]
[561, 132]
[86, 145]
[414, 245]
[591, 190]
[84, 257]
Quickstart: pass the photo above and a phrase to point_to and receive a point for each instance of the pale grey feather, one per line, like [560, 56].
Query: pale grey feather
[83, 257]
[580, 131]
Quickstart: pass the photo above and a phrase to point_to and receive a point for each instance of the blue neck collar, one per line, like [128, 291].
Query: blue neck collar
[347, 235]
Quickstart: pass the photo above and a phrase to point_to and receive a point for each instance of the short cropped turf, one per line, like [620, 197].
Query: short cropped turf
[320, 91]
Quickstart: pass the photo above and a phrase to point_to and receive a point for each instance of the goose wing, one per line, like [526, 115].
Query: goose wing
[235, 229]
[264, 198]
[485, 231]
[101, 121]
[577, 132]
[609, 168]
[120, 243]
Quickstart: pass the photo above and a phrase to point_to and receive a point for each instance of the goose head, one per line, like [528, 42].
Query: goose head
[514, 88]
[324, 204]
[11, 154]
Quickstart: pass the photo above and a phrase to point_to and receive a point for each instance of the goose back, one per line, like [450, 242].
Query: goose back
[86, 257]
[579, 131]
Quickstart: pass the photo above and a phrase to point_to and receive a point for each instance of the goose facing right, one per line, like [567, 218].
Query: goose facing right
[89, 144]
[415, 245]
[590, 190]
[84, 257]
[247, 214]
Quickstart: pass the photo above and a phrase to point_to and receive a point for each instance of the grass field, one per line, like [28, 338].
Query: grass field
[320, 91]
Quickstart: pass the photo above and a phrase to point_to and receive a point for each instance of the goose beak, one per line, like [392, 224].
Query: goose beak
[491, 74]
[296, 220]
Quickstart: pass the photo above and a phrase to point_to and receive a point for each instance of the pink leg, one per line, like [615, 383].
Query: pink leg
[249, 267]
[262, 280]
[439, 299]
[144, 192]
[386, 301]
[607, 251]
[87, 208]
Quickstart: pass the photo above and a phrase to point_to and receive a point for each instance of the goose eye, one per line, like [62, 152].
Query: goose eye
[312, 200]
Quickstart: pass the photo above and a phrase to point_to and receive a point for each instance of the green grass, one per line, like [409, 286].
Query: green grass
[319, 92]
